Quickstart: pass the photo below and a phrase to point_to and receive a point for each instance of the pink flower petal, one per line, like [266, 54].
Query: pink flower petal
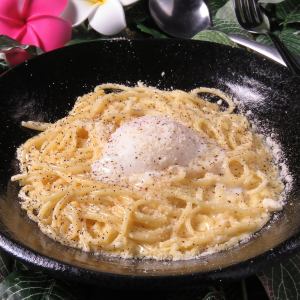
[48, 32]
[10, 9]
[33, 8]
[11, 23]
[10, 27]
[30, 37]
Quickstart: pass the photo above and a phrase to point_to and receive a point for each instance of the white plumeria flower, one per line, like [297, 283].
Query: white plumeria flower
[105, 16]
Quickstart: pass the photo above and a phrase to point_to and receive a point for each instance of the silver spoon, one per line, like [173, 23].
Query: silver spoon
[180, 18]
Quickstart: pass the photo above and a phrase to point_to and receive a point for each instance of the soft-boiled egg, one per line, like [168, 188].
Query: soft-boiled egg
[148, 143]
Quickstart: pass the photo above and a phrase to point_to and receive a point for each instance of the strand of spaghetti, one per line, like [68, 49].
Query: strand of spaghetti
[218, 93]
[181, 221]
[39, 126]
[213, 207]
[112, 86]
[151, 236]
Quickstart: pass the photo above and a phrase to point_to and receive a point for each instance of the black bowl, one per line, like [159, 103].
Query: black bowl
[45, 89]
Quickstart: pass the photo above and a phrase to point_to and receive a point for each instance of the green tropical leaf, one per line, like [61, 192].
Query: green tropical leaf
[226, 12]
[291, 38]
[138, 13]
[286, 7]
[270, 1]
[79, 41]
[264, 39]
[82, 34]
[153, 32]
[215, 5]
[6, 265]
[19, 266]
[282, 281]
[3, 66]
[7, 42]
[230, 27]
[216, 295]
[215, 37]
[33, 286]
[293, 17]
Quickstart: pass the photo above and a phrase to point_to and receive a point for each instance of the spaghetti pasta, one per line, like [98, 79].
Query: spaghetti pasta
[209, 205]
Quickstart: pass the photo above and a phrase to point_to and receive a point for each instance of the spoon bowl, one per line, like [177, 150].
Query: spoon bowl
[178, 18]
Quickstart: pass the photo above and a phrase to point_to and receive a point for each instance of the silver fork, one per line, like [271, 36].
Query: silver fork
[252, 18]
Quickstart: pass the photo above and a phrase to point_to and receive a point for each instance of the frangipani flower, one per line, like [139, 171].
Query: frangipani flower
[35, 22]
[105, 16]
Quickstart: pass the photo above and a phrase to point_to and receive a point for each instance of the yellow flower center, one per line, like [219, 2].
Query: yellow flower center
[100, 2]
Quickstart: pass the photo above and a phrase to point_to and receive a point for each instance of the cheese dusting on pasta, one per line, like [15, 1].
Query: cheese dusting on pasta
[145, 173]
